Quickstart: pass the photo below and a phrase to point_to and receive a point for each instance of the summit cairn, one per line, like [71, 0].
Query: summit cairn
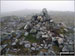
[41, 35]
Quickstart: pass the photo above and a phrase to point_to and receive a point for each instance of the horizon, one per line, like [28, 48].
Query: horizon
[10, 6]
[25, 10]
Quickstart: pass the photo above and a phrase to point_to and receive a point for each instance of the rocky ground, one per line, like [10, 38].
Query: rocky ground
[38, 36]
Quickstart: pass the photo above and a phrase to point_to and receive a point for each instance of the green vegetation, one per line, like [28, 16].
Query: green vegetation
[31, 38]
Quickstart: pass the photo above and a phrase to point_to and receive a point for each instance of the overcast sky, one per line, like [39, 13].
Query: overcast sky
[8, 6]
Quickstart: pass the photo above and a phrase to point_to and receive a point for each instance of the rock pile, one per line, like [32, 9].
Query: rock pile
[41, 36]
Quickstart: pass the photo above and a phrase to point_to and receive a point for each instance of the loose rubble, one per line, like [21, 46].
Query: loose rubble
[38, 36]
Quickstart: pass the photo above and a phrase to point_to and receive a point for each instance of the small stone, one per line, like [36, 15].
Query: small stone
[65, 48]
[3, 46]
[34, 44]
[37, 48]
[32, 48]
[42, 45]
[61, 35]
[51, 21]
[14, 43]
[27, 45]
[26, 33]
[45, 36]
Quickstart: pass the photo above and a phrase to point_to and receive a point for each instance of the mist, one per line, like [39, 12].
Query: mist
[9, 6]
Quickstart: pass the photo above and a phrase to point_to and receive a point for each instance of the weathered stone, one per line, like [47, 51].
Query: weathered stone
[27, 45]
[26, 33]
[33, 48]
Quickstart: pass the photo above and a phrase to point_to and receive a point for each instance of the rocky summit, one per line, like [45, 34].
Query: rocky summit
[40, 35]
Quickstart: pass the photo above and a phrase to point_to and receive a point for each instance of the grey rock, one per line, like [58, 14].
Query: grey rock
[27, 45]
[65, 48]
[3, 46]
[33, 48]
[14, 43]
[26, 33]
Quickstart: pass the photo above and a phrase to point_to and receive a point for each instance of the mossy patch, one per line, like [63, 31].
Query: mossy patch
[31, 38]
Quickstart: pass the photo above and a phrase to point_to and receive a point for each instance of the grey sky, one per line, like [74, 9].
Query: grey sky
[8, 6]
